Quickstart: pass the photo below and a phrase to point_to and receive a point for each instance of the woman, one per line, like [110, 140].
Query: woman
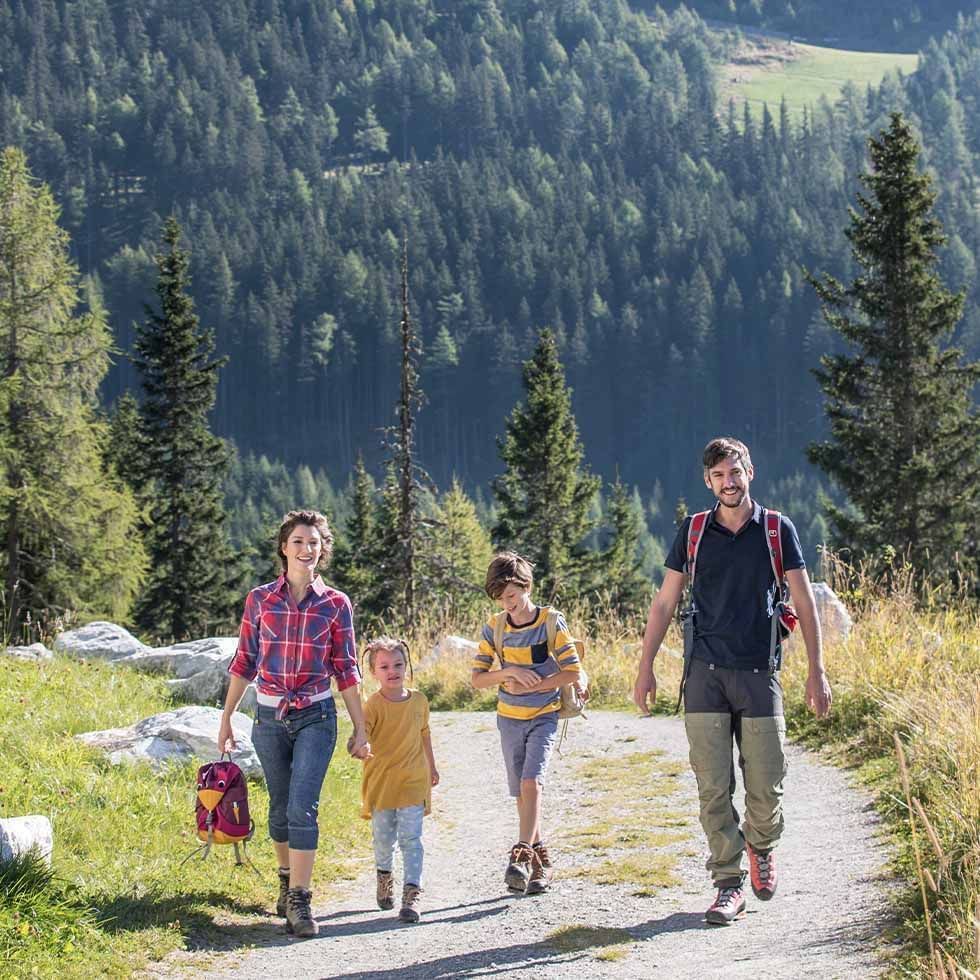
[296, 635]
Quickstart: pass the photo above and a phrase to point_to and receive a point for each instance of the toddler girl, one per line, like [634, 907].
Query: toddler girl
[396, 790]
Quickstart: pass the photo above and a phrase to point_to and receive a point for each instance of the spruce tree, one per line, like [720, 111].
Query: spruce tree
[190, 586]
[351, 568]
[905, 435]
[545, 495]
[68, 524]
[622, 578]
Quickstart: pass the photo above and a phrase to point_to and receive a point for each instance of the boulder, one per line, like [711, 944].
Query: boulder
[186, 733]
[835, 620]
[199, 667]
[18, 835]
[98, 641]
[36, 651]
[451, 647]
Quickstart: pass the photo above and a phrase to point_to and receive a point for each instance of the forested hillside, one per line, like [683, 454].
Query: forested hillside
[551, 163]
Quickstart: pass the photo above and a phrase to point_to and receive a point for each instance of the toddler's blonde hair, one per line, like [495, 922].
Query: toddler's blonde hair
[387, 644]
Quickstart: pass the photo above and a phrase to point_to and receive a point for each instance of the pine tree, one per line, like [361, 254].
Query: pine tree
[622, 578]
[545, 495]
[351, 568]
[189, 591]
[905, 437]
[69, 541]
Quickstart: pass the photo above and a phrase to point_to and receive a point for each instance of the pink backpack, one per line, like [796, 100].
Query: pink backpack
[221, 810]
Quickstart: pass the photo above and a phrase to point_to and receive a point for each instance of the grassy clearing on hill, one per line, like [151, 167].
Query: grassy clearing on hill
[118, 898]
[766, 71]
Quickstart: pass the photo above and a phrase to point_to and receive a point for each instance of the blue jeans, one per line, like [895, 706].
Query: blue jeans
[295, 753]
[405, 823]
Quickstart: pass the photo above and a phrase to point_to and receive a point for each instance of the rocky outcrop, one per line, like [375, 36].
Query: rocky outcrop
[98, 641]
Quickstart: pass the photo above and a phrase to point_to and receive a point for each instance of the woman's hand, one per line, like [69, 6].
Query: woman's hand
[226, 736]
[359, 746]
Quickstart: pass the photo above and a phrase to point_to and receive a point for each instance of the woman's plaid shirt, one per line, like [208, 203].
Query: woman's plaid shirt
[292, 651]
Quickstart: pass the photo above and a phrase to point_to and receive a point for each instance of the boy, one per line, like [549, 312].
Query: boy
[529, 680]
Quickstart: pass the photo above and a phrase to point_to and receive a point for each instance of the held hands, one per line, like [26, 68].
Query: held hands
[645, 688]
[226, 737]
[359, 747]
[818, 694]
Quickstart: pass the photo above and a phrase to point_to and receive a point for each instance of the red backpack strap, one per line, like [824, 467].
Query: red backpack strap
[695, 531]
[774, 541]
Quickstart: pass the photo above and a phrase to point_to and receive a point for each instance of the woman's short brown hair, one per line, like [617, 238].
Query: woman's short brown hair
[312, 518]
[508, 568]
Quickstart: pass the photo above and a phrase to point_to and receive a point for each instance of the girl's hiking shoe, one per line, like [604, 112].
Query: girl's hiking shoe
[728, 906]
[540, 877]
[299, 918]
[386, 891]
[411, 903]
[762, 873]
[519, 869]
[283, 892]
[543, 855]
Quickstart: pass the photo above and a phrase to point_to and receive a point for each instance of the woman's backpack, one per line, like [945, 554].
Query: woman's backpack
[221, 810]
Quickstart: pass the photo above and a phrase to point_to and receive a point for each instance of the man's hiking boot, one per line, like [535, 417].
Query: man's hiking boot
[411, 902]
[519, 869]
[386, 890]
[543, 855]
[762, 873]
[299, 918]
[540, 877]
[283, 892]
[728, 906]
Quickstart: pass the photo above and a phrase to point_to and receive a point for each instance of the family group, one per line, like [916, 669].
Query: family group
[297, 644]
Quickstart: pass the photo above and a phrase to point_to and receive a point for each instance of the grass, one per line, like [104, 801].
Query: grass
[116, 898]
[605, 944]
[769, 71]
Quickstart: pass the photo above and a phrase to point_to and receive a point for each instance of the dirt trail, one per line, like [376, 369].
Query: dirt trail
[824, 920]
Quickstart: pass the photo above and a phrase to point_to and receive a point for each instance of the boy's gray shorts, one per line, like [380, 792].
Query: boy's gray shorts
[527, 747]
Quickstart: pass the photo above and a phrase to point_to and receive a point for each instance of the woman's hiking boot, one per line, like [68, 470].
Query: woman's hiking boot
[411, 902]
[542, 853]
[386, 890]
[519, 869]
[299, 917]
[729, 905]
[762, 873]
[283, 892]
[540, 877]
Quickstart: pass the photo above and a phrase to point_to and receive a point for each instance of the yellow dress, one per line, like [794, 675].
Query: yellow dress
[398, 774]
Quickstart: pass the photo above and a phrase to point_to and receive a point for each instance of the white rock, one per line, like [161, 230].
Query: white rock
[36, 651]
[185, 659]
[835, 620]
[18, 835]
[186, 733]
[98, 641]
[452, 647]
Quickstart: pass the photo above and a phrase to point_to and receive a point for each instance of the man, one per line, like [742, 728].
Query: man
[731, 679]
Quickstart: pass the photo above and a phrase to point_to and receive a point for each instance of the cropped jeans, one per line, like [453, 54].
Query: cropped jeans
[405, 825]
[295, 753]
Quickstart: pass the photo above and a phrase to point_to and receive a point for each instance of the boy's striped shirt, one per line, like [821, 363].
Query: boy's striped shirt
[527, 646]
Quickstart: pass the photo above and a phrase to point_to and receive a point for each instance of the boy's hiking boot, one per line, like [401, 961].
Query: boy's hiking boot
[728, 906]
[411, 903]
[540, 877]
[519, 869]
[283, 892]
[299, 918]
[386, 890]
[762, 873]
[543, 855]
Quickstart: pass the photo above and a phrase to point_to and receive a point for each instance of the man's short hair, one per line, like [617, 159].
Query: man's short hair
[508, 568]
[726, 447]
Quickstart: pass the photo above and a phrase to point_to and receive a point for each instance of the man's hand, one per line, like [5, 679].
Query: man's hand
[818, 695]
[644, 688]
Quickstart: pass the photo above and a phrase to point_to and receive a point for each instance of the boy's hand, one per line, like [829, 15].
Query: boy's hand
[644, 688]
[520, 676]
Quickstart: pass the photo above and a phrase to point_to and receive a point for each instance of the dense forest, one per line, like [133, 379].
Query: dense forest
[549, 162]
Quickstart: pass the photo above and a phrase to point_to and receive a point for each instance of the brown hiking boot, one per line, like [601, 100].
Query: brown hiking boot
[542, 852]
[411, 901]
[283, 892]
[386, 890]
[540, 877]
[519, 869]
[299, 918]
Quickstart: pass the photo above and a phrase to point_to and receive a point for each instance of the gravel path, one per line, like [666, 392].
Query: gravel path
[825, 919]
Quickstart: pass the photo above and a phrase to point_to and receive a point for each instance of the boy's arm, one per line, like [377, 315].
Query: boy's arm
[555, 681]
[818, 694]
[661, 612]
[482, 676]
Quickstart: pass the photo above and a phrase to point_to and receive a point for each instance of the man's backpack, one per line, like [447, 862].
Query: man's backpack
[221, 810]
[572, 705]
[782, 615]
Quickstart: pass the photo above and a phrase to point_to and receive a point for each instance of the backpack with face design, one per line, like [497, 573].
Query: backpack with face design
[782, 615]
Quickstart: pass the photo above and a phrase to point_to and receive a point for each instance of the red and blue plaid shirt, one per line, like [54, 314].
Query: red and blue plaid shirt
[293, 649]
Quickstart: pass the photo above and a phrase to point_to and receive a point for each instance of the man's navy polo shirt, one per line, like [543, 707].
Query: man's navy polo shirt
[734, 589]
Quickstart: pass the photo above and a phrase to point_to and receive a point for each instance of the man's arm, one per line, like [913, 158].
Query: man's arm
[658, 620]
[818, 694]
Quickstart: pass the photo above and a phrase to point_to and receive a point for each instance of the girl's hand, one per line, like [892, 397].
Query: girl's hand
[359, 746]
[435, 776]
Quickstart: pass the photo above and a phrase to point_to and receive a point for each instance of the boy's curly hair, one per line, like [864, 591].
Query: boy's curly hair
[387, 644]
[508, 568]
